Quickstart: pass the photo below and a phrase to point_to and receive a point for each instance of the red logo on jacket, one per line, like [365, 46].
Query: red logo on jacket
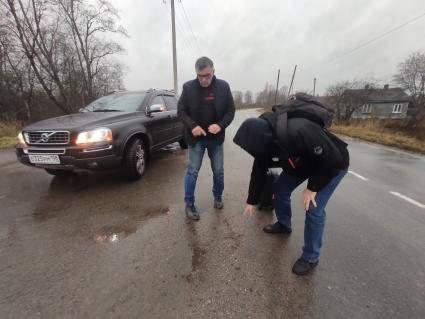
[210, 98]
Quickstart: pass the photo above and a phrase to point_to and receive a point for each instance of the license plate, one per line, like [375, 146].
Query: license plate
[44, 159]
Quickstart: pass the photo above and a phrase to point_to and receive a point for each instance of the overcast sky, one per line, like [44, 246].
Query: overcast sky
[249, 40]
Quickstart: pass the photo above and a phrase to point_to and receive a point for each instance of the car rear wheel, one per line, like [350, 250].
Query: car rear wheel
[58, 172]
[135, 159]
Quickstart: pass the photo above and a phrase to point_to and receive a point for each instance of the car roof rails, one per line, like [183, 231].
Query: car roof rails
[166, 90]
[115, 91]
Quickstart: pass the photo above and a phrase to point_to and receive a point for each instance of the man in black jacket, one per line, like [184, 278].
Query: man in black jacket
[316, 155]
[206, 108]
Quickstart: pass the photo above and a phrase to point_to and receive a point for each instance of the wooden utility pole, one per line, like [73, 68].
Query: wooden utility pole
[292, 81]
[277, 87]
[173, 26]
[314, 87]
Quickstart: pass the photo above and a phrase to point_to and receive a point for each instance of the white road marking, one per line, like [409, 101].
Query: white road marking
[407, 199]
[358, 175]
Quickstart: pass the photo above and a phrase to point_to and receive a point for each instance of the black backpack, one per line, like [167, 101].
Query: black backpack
[267, 196]
[301, 106]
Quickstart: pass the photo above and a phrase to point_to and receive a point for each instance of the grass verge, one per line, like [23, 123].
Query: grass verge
[407, 134]
[8, 133]
[380, 136]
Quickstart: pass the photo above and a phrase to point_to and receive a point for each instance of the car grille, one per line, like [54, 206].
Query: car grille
[47, 137]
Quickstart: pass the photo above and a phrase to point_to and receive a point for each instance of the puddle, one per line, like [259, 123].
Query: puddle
[152, 212]
[114, 233]
[117, 232]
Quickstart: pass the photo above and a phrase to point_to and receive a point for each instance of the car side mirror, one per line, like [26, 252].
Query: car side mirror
[155, 108]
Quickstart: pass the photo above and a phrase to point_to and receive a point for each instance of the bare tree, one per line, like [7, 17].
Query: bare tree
[266, 96]
[65, 45]
[411, 77]
[238, 98]
[348, 96]
[335, 97]
[85, 23]
[248, 98]
[282, 95]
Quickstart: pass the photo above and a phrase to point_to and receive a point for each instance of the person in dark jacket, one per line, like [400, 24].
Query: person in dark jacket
[206, 108]
[315, 155]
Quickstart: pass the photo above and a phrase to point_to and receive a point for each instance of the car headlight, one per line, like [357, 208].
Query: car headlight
[98, 135]
[21, 139]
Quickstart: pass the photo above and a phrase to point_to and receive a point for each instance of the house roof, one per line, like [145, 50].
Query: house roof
[381, 95]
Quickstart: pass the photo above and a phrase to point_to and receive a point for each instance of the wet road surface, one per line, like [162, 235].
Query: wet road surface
[93, 245]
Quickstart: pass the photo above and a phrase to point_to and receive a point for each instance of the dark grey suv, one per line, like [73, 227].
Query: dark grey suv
[118, 130]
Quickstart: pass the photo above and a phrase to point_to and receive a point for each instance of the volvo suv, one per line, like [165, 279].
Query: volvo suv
[118, 130]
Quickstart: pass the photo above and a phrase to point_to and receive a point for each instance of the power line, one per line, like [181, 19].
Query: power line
[374, 39]
[190, 26]
[182, 25]
[385, 34]
[186, 45]
[190, 47]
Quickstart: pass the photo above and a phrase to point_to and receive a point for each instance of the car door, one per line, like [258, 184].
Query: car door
[171, 103]
[161, 123]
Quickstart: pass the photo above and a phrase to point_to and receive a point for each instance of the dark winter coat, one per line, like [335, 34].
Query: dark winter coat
[315, 154]
[189, 108]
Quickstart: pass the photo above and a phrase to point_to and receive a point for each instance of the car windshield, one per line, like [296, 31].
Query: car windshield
[120, 102]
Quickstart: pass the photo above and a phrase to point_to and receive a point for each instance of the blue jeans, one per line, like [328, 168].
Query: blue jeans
[196, 154]
[315, 217]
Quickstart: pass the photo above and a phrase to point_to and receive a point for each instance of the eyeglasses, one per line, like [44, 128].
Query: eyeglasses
[205, 76]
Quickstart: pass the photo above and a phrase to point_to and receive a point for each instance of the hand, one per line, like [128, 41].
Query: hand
[308, 196]
[214, 128]
[198, 131]
[249, 210]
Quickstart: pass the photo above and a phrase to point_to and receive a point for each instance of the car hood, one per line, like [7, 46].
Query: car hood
[86, 120]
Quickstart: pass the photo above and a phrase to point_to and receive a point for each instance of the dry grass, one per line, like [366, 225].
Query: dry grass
[8, 133]
[376, 133]
[407, 134]
[7, 142]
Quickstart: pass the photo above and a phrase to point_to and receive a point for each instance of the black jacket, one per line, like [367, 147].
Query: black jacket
[315, 154]
[189, 103]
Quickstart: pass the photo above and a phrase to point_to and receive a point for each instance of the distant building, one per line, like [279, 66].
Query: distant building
[380, 103]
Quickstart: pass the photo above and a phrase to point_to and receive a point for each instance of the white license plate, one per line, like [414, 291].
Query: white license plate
[44, 159]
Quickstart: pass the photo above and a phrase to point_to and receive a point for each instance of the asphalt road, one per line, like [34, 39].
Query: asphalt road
[94, 245]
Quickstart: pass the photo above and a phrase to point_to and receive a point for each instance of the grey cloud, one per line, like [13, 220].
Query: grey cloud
[250, 40]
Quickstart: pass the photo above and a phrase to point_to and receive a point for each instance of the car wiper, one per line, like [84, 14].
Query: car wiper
[106, 110]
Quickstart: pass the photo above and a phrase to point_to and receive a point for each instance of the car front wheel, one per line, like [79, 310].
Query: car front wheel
[135, 159]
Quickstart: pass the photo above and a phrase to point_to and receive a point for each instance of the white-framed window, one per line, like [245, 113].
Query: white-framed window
[367, 108]
[397, 108]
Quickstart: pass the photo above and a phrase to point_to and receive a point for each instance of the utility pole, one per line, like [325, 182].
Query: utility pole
[277, 86]
[173, 26]
[314, 87]
[292, 81]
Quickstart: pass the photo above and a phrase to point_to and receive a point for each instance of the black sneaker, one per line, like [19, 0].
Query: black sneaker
[192, 212]
[277, 228]
[303, 267]
[218, 203]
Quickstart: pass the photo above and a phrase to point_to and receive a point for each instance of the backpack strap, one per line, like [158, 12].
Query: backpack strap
[282, 128]
[278, 121]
